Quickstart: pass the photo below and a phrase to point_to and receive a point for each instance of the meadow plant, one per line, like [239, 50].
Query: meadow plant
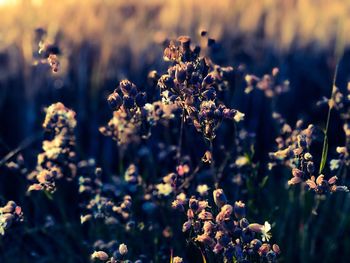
[10, 214]
[225, 230]
[58, 159]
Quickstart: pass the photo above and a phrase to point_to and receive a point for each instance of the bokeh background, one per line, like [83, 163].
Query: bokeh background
[105, 41]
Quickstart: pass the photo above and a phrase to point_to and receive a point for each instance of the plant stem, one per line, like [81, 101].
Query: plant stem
[180, 138]
[330, 107]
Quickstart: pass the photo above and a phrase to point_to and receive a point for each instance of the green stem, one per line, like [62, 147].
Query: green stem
[330, 107]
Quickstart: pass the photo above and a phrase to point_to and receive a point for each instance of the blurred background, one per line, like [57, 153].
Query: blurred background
[104, 41]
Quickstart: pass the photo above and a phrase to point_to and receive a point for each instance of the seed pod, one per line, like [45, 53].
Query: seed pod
[239, 209]
[219, 197]
[140, 99]
[310, 167]
[276, 248]
[243, 223]
[128, 102]
[209, 94]
[180, 74]
[123, 249]
[125, 86]
[255, 244]
[100, 255]
[297, 173]
[114, 101]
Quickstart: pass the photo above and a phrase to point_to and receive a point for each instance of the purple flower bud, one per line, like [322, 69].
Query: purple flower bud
[219, 197]
[239, 209]
[114, 101]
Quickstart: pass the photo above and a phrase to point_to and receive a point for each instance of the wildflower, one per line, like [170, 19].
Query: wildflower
[239, 116]
[207, 158]
[265, 231]
[334, 164]
[9, 214]
[100, 255]
[164, 189]
[242, 161]
[219, 197]
[203, 189]
[239, 209]
[205, 239]
[186, 226]
[276, 248]
[58, 157]
[182, 169]
[177, 260]
[123, 249]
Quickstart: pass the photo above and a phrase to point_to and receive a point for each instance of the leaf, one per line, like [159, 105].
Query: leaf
[263, 181]
[324, 153]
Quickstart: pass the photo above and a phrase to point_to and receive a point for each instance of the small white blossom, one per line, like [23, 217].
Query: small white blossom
[265, 235]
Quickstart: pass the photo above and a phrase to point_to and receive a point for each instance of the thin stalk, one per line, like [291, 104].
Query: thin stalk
[180, 138]
[212, 164]
[330, 107]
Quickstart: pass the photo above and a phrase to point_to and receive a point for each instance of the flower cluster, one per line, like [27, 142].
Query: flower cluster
[119, 252]
[269, 84]
[132, 116]
[58, 157]
[292, 144]
[9, 214]
[48, 52]
[103, 204]
[227, 232]
[193, 82]
[294, 152]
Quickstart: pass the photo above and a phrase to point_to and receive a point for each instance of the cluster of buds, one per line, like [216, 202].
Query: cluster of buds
[319, 185]
[294, 152]
[119, 253]
[104, 208]
[172, 181]
[48, 52]
[192, 83]
[293, 145]
[90, 178]
[269, 84]
[58, 157]
[132, 116]
[228, 232]
[9, 214]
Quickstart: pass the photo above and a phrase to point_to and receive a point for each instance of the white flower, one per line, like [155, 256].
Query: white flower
[239, 116]
[265, 235]
[177, 260]
[164, 189]
[123, 249]
[241, 161]
[334, 164]
[202, 189]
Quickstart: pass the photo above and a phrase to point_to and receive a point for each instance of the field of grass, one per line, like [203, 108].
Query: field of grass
[174, 131]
